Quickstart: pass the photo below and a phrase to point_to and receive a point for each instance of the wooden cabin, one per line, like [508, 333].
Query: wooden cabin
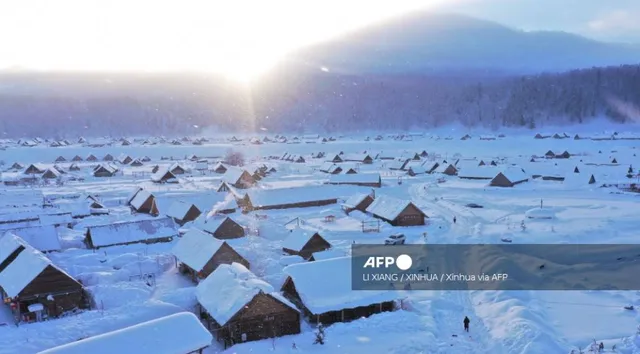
[332, 299]
[199, 254]
[396, 212]
[357, 202]
[144, 202]
[284, 198]
[105, 170]
[182, 212]
[257, 311]
[362, 179]
[238, 178]
[304, 243]
[130, 232]
[509, 178]
[32, 285]
[223, 228]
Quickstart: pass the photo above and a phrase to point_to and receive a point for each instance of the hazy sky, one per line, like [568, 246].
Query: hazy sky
[608, 20]
[244, 37]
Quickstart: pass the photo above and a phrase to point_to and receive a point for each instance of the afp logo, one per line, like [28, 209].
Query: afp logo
[403, 262]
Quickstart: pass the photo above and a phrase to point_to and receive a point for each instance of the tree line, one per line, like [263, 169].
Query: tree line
[303, 100]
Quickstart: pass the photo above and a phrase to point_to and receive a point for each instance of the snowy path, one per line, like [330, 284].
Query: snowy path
[449, 307]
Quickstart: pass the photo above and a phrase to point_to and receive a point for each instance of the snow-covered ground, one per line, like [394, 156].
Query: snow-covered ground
[136, 283]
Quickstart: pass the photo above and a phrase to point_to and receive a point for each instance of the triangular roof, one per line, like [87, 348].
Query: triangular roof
[196, 248]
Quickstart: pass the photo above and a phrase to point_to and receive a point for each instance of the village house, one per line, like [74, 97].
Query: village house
[332, 299]
[105, 170]
[136, 163]
[362, 179]
[177, 169]
[396, 212]
[447, 169]
[220, 168]
[199, 254]
[238, 178]
[223, 227]
[155, 336]
[51, 173]
[129, 232]
[44, 238]
[91, 158]
[509, 177]
[60, 159]
[284, 198]
[182, 212]
[163, 176]
[142, 201]
[76, 158]
[239, 307]
[32, 285]
[416, 170]
[335, 159]
[108, 157]
[398, 164]
[35, 169]
[477, 172]
[304, 243]
[357, 202]
[362, 158]
[125, 159]
[330, 168]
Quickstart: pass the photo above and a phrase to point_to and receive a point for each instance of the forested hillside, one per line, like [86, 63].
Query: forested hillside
[295, 100]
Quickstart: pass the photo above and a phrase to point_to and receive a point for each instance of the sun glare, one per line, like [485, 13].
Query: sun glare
[241, 38]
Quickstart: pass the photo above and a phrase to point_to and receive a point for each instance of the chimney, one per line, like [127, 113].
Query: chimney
[373, 193]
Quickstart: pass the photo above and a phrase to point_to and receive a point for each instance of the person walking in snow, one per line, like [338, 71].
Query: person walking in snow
[454, 219]
[466, 323]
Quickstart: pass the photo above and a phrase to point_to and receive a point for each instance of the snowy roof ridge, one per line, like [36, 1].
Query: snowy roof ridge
[298, 238]
[155, 336]
[196, 248]
[228, 289]
[24, 268]
[388, 207]
[132, 231]
[334, 292]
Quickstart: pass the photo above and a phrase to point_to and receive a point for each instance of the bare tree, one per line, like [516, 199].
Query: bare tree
[234, 158]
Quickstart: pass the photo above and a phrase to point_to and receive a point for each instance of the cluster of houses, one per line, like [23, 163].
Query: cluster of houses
[596, 137]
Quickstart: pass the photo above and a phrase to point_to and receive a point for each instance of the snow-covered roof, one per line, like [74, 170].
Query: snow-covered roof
[388, 207]
[418, 169]
[56, 219]
[132, 231]
[140, 198]
[355, 157]
[325, 286]
[162, 173]
[515, 174]
[43, 238]
[196, 248]
[354, 200]
[327, 254]
[282, 196]
[23, 269]
[469, 171]
[179, 209]
[297, 239]
[229, 288]
[355, 178]
[156, 336]
[21, 198]
[233, 174]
